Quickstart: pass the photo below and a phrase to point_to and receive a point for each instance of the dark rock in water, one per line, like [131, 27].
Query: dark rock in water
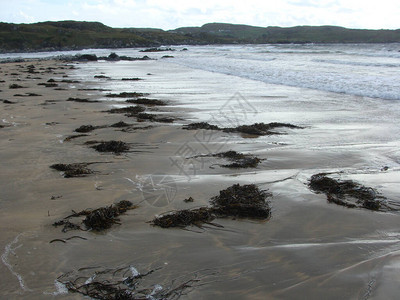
[116, 147]
[346, 192]
[113, 56]
[86, 57]
[102, 77]
[167, 56]
[157, 50]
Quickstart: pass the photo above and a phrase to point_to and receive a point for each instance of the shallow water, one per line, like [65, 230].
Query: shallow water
[308, 249]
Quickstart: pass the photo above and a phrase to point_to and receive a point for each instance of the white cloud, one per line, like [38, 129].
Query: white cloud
[177, 13]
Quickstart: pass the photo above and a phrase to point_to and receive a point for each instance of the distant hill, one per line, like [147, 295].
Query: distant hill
[70, 35]
[298, 34]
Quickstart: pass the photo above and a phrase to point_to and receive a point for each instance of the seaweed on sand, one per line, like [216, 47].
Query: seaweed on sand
[49, 84]
[82, 100]
[246, 201]
[98, 219]
[15, 86]
[243, 201]
[239, 160]
[85, 128]
[131, 110]
[104, 217]
[73, 170]
[146, 101]
[152, 118]
[126, 95]
[256, 129]
[201, 125]
[346, 192]
[75, 136]
[116, 147]
[260, 128]
[120, 124]
[186, 217]
[122, 283]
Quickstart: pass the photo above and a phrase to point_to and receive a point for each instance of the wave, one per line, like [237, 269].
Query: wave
[312, 73]
[357, 63]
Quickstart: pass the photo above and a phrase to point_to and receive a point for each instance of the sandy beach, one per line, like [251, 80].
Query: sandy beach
[308, 247]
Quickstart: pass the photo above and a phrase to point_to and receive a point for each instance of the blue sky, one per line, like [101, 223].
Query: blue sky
[171, 14]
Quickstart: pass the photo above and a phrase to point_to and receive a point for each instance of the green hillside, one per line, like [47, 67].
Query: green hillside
[298, 34]
[69, 35]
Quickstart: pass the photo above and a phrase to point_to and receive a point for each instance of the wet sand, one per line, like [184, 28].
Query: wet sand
[308, 249]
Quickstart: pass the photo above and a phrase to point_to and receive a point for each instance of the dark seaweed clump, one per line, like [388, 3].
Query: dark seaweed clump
[85, 128]
[346, 192]
[116, 147]
[49, 84]
[256, 129]
[82, 100]
[120, 124]
[243, 201]
[122, 283]
[98, 219]
[153, 118]
[186, 217]
[246, 201]
[146, 101]
[131, 110]
[239, 160]
[15, 86]
[73, 170]
[201, 125]
[260, 128]
[75, 136]
[126, 95]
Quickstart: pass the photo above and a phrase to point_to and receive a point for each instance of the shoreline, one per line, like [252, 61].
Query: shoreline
[34, 196]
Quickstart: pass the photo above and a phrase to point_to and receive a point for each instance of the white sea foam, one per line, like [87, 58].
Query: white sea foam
[9, 249]
[356, 69]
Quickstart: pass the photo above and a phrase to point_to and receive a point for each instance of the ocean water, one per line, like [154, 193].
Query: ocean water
[370, 70]
[347, 99]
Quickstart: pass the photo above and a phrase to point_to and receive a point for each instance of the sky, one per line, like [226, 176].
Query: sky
[171, 14]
